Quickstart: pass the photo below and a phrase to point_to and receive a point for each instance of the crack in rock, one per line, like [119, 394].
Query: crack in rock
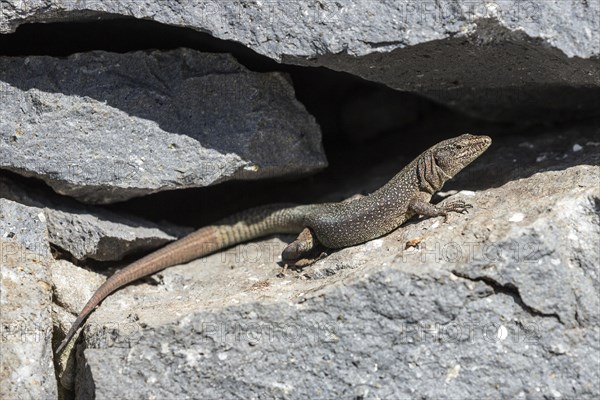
[510, 290]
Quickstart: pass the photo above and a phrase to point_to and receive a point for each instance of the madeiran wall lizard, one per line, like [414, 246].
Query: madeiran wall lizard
[329, 225]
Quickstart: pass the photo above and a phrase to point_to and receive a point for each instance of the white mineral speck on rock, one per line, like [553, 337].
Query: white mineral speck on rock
[448, 193]
[555, 393]
[452, 373]
[502, 332]
[577, 147]
[517, 217]
[571, 236]
[375, 244]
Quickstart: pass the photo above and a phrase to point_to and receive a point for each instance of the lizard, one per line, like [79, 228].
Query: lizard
[325, 225]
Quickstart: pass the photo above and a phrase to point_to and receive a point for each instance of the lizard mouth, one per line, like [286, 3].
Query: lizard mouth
[476, 147]
[485, 142]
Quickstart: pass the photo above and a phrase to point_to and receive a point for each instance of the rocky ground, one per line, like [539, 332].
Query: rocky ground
[205, 115]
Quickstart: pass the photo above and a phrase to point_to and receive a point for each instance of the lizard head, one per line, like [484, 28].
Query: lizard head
[452, 155]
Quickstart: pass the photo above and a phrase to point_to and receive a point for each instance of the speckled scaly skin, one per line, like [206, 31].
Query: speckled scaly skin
[334, 225]
[408, 193]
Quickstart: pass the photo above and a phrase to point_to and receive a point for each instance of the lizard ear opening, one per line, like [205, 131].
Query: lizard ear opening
[442, 158]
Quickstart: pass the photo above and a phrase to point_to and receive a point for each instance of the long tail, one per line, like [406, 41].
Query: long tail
[247, 225]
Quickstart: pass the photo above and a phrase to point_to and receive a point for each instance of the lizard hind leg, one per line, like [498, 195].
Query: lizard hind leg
[303, 251]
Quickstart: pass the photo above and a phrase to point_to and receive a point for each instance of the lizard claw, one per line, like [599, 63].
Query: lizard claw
[458, 206]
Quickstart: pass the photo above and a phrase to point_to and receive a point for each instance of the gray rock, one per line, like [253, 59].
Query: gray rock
[104, 236]
[356, 27]
[87, 232]
[26, 362]
[104, 127]
[500, 302]
[24, 227]
[395, 334]
[490, 72]
[73, 287]
[542, 55]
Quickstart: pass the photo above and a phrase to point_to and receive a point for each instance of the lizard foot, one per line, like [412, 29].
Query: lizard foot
[299, 264]
[457, 206]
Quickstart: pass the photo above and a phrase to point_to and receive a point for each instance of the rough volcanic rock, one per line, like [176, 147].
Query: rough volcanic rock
[26, 358]
[500, 60]
[88, 232]
[104, 127]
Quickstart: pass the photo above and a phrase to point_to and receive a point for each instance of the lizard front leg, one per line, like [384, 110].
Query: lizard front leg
[420, 206]
[303, 251]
